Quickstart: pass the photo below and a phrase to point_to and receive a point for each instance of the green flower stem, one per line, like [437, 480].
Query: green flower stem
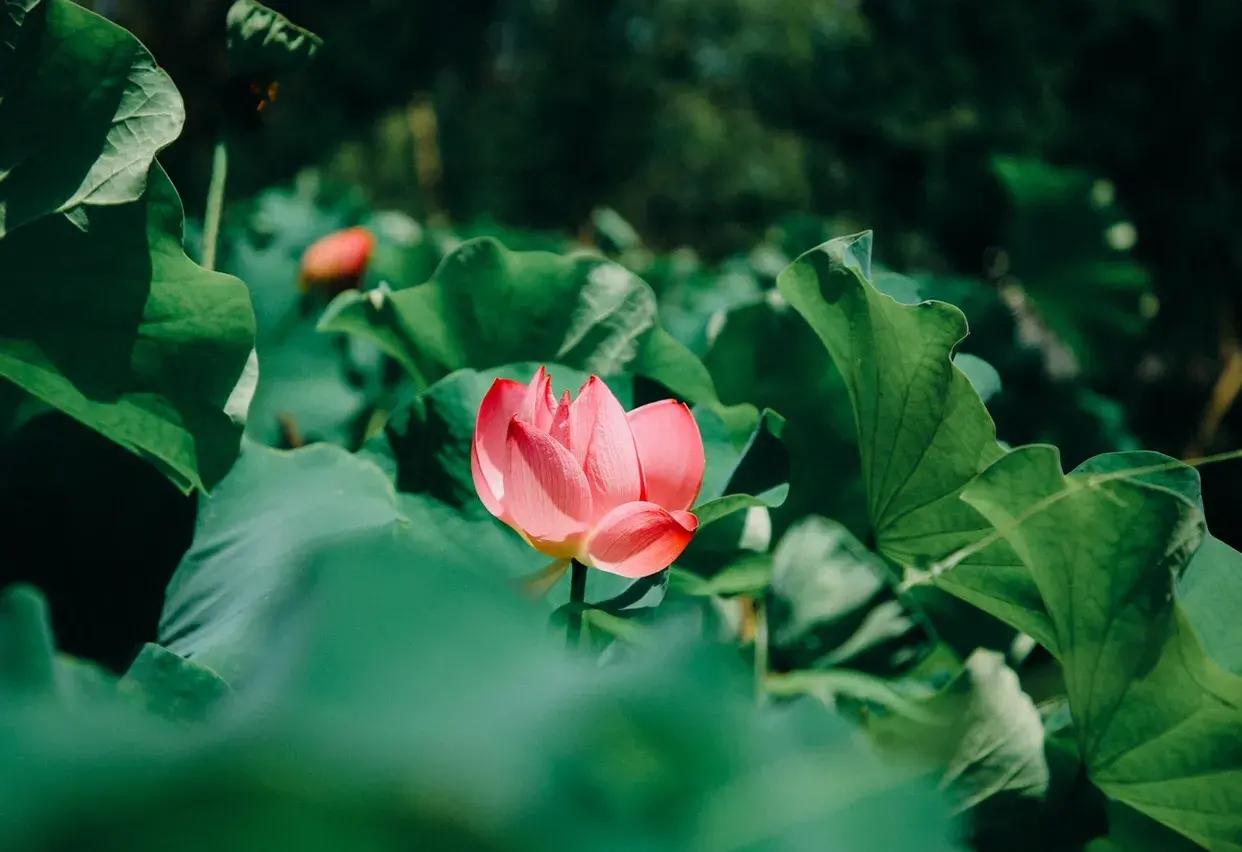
[577, 595]
[215, 203]
[761, 650]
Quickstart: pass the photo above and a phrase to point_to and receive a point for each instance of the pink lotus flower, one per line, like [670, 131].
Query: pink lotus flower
[582, 479]
[338, 261]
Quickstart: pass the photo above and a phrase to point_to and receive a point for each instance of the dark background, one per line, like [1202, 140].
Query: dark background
[705, 121]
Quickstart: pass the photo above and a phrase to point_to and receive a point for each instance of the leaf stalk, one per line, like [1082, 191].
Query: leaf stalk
[215, 203]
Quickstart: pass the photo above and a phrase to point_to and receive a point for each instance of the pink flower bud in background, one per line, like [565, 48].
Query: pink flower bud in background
[583, 479]
[337, 262]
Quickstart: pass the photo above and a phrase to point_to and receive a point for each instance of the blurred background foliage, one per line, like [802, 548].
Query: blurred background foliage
[1077, 160]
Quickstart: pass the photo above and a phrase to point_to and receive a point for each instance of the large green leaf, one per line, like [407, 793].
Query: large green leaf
[116, 327]
[487, 306]
[1159, 724]
[101, 313]
[1210, 586]
[254, 538]
[84, 114]
[263, 532]
[923, 433]
[922, 430]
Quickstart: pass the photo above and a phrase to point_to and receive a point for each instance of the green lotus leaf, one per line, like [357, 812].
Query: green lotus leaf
[118, 328]
[1157, 720]
[923, 432]
[487, 306]
[84, 113]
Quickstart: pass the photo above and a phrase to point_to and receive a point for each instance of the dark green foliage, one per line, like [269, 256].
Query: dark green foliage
[900, 624]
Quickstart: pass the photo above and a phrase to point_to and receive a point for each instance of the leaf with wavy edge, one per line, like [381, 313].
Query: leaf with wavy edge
[923, 433]
[1159, 724]
[102, 314]
[84, 116]
[486, 306]
[118, 328]
[254, 537]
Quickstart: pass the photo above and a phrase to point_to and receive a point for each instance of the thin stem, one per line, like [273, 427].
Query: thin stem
[577, 595]
[215, 203]
[761, 649]
[1171, 464]
[918, 577]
